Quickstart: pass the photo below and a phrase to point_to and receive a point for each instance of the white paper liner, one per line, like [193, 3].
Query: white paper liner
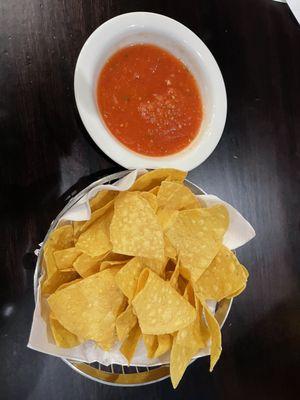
[239, 233]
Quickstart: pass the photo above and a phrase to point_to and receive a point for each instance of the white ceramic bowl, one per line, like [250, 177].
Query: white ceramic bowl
[142, 27]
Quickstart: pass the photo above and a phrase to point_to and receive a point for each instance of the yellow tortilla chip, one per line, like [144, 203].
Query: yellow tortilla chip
[170, 251]
[134, 229]
[62, 337]
[166, 217]
[215, 333]
[95, 241]
[111, 256]
[188, 341]
[151, 198]
[181, 285]
[154, 190]
[108, 264]
[62, 237]
[196, 235]
[125, 323]
[222, 278]
[189, 294]
[94, 303]
[186, 344]
[97, 215]
[102, 198]
[64, 285]
[175, 276]
[57, 279]
[239, 291]
[86, 265]
[141, 281]
[176, 196]
[130, 343]
[157, 266]
[77, 228]
[214, 219]
[151, 344]
[159, 308]
[127, 277]
[236, 293]
[64, 258]
[154, 178]
[49, 260]
[205, 333]
[164, 345]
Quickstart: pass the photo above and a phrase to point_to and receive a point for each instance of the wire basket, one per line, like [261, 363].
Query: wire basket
[115, 374]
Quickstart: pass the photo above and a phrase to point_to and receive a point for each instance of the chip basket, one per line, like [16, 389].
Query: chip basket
[115, 374]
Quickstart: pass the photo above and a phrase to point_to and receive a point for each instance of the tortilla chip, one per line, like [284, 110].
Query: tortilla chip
[154, 190]
[175, 276]
[64, 258]
[170, 251]
[188, 341]
[151, 198]
[164, 345]
[215, 219]
[95, 241]
[205, 333]
[215, 333]
[176, 196]
[50, 284]
[111, 256]
[154, 178]
[49, 260]
[127, 277]
[159, 308]
[156, 266]
[151, 344]
[196, 235]
[102, 198]
[129, 345]
[108, 264]
[141, 281]
[189, 294]
[125, 323]
[186, 344]
[181, 285]
[77, 225]
[62, 237]
[134, 229]
[166, 218]
[96, 215]
[62, 337]
[86, 265]
[95, 303]
[236, 293]
[64, 285]
[222, 278]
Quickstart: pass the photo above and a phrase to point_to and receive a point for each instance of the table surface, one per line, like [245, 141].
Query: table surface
[46, 155]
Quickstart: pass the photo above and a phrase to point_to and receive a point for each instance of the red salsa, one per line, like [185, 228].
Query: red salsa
[149, 100]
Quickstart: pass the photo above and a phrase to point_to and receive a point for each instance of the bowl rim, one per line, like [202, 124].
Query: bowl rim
[191, 156]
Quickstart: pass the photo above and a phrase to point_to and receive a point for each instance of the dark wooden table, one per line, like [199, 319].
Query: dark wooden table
[46, 154]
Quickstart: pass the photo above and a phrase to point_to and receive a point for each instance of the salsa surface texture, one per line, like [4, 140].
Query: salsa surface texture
[149, 100]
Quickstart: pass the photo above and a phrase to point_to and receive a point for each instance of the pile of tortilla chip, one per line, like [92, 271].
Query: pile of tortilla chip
[142, 268]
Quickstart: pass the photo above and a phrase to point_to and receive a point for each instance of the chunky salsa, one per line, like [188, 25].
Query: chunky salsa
[149, 100]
